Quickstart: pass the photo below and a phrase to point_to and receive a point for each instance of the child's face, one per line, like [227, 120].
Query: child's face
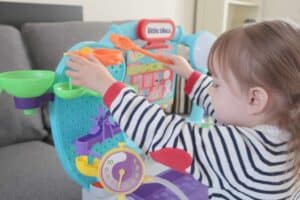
[228, 100]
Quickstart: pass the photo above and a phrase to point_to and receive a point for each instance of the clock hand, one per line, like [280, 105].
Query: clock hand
[121, 175]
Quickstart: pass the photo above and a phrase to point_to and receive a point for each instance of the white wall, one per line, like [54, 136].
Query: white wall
[68, 2]
[281, 9]
[181, 11]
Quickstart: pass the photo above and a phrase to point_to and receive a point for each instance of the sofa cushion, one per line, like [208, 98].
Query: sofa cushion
[32, 171]
[14, 125]
[48, 41]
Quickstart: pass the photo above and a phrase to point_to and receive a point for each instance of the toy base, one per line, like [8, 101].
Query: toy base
[192, 188]
[95, 193]
[186, 183]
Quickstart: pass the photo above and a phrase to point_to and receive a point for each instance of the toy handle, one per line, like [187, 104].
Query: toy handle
[169, 157]
[85, 168]
[155, 56]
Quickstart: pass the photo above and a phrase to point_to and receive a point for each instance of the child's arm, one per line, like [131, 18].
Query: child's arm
[221, 154]
[196, 88]
[145, 123]
[197, 84]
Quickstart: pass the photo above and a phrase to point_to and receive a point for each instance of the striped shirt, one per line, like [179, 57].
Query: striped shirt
[234, 162]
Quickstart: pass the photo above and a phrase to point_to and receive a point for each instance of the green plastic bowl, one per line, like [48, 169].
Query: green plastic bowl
[26, 83]
[64, 91]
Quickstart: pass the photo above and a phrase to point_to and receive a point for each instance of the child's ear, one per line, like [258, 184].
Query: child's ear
[257, 100]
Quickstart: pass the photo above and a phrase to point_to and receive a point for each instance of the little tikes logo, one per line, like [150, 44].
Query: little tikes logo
[159, 30]
[155, 30]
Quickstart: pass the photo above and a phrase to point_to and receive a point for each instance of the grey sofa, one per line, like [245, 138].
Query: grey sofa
[29, 166]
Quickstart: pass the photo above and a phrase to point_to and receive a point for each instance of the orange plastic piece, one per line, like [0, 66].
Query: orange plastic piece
[107, 57]
[176, 159]
[126, 44]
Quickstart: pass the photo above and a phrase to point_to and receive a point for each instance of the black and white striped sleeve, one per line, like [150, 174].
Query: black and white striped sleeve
[196, 88]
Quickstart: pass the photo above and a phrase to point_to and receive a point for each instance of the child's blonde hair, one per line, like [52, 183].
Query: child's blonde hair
[265, 54]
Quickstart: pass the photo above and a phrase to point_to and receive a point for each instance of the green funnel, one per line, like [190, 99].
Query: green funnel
[66, 91]
[26, 83]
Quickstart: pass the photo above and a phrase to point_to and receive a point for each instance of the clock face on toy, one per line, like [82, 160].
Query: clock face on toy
[121, 171]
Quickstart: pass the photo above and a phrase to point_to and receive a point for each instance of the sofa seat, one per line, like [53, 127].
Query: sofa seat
[36, 172]
[29, 168]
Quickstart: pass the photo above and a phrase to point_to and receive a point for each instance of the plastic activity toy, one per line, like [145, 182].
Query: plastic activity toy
[126, 44]
[186, 183]
[121, 171]
[91, 147]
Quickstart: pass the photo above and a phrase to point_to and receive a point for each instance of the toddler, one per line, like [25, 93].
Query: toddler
[253, 96]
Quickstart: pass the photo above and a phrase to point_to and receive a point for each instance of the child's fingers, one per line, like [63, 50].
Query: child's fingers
[73, 55]
[75, 77]
[72, 74]
[170, 57]
[76, 82]
[92, 58]
[74, 65]
[76, 58]
[169, 66]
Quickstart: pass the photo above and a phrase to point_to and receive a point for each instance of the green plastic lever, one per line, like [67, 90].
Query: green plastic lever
[65, 90]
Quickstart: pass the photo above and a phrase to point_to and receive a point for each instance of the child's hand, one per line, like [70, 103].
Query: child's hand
[180, 66]
[89, 72]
